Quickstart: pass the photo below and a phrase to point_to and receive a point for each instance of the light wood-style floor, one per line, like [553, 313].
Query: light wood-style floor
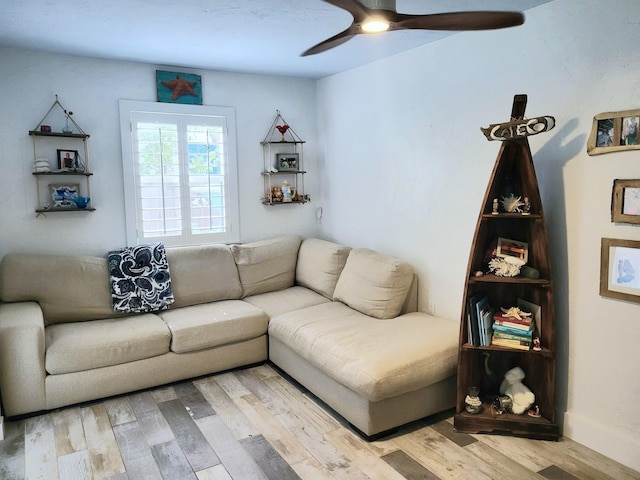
[255, 424]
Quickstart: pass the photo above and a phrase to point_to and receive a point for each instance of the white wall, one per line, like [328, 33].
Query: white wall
[91, 88]
[404, 169]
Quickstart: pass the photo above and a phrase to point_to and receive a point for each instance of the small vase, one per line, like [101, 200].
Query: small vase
[67, 128]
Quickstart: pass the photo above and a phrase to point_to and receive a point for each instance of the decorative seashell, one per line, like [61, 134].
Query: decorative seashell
[511, 203]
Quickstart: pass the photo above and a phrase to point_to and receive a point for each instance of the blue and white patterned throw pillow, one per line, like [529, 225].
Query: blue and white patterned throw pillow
[140, 279]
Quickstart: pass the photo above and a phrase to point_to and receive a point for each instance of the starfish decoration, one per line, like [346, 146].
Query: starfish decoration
[180, 86]
[515, 312]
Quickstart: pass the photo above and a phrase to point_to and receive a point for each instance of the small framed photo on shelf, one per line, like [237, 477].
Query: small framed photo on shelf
[625, 201]
[64, 196]
[620, 269]
[513, 249]
[68, 160]
[286, 161]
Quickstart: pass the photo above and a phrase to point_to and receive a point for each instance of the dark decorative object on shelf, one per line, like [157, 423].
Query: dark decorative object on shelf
[472, 402]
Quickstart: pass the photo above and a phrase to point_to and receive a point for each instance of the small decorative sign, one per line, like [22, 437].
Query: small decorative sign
[519, 128]
[174, 87]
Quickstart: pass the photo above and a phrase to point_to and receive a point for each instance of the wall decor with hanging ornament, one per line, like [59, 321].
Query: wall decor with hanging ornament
[61, 169]
[283, 172]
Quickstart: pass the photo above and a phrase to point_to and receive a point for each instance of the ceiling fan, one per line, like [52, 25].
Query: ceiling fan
[374, 16]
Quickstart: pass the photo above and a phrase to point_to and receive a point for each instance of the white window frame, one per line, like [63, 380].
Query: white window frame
[227, 116]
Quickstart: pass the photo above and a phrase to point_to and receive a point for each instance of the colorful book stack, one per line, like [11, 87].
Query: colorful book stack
[512, 332]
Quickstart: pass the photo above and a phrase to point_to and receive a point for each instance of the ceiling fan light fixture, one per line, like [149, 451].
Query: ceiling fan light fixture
[375, 25]
[377, 16]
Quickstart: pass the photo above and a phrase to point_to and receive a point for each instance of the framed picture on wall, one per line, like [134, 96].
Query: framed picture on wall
[625, 201]
[614, 132]
[178, 87]
[620, 269]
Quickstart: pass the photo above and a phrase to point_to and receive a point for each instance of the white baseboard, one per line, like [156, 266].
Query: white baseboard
[1, 428]
[621, 447]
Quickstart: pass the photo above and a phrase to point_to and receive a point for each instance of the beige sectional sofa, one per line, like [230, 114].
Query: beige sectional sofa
[340, 321]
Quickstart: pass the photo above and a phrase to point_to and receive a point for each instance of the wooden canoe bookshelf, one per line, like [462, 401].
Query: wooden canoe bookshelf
[484, 366]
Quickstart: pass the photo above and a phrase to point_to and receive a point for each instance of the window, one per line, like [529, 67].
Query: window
[180, 173]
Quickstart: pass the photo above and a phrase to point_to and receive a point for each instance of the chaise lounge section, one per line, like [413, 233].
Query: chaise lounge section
[340, 321]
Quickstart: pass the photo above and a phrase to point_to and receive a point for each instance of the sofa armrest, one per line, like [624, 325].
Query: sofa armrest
[22, 348]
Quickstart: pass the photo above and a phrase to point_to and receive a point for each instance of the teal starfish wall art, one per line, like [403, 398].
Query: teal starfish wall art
[175, 87]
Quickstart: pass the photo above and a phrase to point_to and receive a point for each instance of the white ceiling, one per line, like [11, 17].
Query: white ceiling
[251, 36]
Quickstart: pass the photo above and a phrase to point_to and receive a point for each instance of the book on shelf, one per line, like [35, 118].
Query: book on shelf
[534, 310]
[487, 326]
[472, 319]
[483, 315]
[513, 331]
[511, 336]
[518, 344]
[524, 324]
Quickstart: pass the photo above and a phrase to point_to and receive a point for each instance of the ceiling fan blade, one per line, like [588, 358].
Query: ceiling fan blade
[334, 41]
[355, 8]
[459, 21]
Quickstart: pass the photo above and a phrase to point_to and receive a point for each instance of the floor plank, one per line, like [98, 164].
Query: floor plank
[235, 459]
[74, 466]
[224, 407]
[284, 441]
[193, 400]
[101, 442]
[191, 440]
[152, 422]
[271, 463]
[40, 448]
[68, 431]
[330, 457]
[365, 457]
[408, 467]
[12, 452]
[172, 462]
[119, 410]
[136, 452]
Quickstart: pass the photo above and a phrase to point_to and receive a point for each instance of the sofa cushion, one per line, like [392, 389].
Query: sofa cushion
[267, 265]
[69, 288]
[375, 358]
[281, 301]
[202, 274]
[75, 347]
[374, 284]
[320, 264]
[213, 324]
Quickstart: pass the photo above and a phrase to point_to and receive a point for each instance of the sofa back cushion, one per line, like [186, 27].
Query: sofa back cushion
[267, 265]
[320, 264]
[201, 274]
[68, 288]
[374, 284]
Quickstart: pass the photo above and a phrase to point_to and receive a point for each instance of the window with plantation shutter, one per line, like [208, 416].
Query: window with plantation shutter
[180, 173]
